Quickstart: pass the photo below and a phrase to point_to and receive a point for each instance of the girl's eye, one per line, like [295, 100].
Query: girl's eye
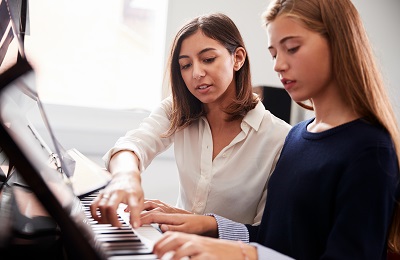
[273, 54]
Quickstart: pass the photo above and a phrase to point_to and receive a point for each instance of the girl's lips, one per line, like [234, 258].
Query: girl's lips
[288, 84]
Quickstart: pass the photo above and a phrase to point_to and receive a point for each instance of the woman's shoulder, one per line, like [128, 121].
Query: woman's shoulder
[165, 106]
[267, 117]
[270, 122]
[166, 102]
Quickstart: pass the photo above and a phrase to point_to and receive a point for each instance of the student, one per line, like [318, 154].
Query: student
[334, 192]
[225, 142]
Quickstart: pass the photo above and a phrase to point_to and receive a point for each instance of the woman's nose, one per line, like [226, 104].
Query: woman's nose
[198, 71]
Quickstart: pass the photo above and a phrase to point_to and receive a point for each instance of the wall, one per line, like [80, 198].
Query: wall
[381, 19]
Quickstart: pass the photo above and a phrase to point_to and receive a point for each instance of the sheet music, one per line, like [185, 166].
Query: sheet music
[87, 176]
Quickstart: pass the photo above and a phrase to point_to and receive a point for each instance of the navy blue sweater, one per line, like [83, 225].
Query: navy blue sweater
[332, 194]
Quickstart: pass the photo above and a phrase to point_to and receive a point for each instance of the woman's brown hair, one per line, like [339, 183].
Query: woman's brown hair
[354, 66]
[186, 108]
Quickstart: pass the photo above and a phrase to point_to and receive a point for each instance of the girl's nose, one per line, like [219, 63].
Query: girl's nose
[280, 64]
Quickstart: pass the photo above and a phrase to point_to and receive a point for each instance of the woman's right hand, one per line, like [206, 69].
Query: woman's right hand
[124, 187]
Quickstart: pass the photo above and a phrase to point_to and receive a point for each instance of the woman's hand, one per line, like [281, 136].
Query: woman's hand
[198, 247]
[157, 205]
[124, 187]
[188, 223]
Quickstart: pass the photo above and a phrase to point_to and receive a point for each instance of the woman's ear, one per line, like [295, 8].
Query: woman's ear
[240, 58]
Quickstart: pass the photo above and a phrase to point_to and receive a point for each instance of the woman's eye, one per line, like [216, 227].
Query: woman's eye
[185, 66]
[293, 50]
[209, 60]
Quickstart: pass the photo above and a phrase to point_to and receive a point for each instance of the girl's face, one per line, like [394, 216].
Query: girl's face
[301, 57]
[207, 69]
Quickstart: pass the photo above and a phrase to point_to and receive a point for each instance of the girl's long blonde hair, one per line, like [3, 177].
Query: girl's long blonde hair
[354, 67]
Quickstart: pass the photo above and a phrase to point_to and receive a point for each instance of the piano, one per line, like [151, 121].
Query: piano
[46, 194]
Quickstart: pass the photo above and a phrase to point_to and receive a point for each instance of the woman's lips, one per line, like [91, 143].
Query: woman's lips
[203, 88]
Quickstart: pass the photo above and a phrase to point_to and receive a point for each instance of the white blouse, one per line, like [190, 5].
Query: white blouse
[234, 184]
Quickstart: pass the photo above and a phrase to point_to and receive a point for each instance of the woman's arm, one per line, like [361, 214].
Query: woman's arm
[131, 154]
[125, 187]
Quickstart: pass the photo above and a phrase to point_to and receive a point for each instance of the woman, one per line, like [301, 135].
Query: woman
[334, 193]
[225, 142]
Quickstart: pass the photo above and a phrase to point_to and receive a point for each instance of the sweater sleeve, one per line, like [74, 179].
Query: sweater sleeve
[230, 230]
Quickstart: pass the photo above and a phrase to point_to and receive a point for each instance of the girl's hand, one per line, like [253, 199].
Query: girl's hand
[181, 245]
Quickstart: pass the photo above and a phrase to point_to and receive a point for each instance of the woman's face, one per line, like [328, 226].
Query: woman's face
[302, 59]
[207, 69]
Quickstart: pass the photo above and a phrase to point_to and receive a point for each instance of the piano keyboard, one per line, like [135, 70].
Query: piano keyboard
[120, 243]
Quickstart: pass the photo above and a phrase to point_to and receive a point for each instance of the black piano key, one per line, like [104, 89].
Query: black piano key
[128, 252]
[112, 232]
[133, 257]
[117, 240]
[123, 245]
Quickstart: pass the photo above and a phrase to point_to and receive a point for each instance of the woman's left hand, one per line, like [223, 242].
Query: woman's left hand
[187, 223]
[157, 205]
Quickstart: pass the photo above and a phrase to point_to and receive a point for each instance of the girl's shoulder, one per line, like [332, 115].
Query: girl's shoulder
[359, 132]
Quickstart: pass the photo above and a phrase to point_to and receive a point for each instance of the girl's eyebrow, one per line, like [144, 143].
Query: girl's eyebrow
[200, 52]
[283, 40]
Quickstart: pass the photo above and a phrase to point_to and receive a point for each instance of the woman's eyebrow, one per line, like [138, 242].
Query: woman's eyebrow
[200, 52]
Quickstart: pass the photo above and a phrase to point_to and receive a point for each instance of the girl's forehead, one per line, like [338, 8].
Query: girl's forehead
[283, 27]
